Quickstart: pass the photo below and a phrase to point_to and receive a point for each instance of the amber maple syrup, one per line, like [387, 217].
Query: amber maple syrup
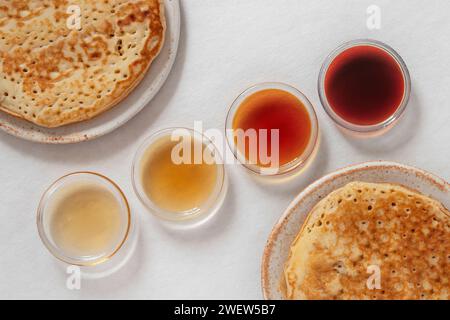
[173, 187]
[275, 109]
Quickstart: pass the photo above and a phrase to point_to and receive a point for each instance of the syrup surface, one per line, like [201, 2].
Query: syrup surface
[176, 187]
[86, 220]
[364, 85]
[276, 109]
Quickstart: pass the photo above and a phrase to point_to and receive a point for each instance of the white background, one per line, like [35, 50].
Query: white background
[225, 47]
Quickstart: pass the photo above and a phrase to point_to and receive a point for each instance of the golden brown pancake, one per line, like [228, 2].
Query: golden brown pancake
[54, 71]
[363, 226]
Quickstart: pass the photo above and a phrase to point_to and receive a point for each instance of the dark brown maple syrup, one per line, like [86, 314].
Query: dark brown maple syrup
[364, 85]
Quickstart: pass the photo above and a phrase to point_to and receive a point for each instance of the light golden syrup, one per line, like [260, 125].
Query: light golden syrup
[85, 220]
[177, 187]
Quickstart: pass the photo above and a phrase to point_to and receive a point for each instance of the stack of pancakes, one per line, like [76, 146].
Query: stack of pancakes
[68, 61]
[371, 241]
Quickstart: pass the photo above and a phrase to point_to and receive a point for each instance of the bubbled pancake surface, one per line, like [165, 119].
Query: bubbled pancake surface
[53, 74]
[404, 233]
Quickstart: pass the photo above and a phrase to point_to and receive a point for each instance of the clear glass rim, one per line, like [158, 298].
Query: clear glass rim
[355, 127]
[166, 215]
[55, 251]
[295, 163]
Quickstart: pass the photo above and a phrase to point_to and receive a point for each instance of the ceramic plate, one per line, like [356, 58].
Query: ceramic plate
[285, 231]
[120, 114]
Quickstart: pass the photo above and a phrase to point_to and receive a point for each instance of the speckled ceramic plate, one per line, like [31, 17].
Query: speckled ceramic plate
[120, 114]
[285, 231]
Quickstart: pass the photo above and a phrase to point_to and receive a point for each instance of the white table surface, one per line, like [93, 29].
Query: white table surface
[225, 47]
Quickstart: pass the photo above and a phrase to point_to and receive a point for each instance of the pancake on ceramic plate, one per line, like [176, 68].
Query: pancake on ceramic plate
[68, 61]
[371, 241]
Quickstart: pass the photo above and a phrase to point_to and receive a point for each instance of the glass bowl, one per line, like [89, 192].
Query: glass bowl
[291, 166]
[215, 199]
[50, 197]
[356, 128]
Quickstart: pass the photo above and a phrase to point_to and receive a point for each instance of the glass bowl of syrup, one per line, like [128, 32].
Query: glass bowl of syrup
[272, 129]
[84, 219]
[364, 86]
[179, 176]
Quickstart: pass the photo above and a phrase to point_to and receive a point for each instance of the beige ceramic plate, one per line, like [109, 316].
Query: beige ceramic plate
[120, 114]
[285, 231]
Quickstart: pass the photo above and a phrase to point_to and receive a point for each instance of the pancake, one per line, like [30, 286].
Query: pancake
[54, 71]
[362, 226]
